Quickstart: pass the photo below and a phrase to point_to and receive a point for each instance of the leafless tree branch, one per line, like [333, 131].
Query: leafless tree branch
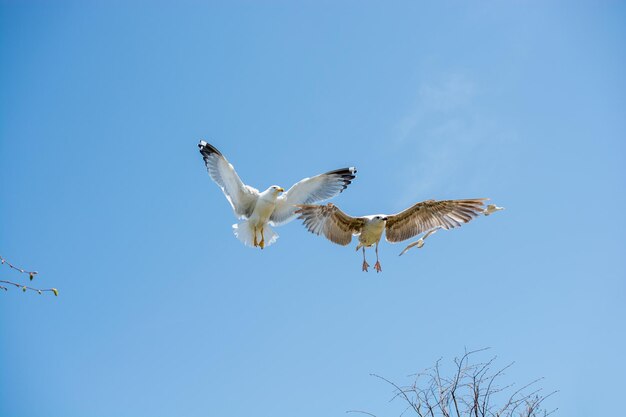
[473, 390]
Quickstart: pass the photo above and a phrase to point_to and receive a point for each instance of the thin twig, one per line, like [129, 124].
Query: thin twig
[25, 288]
[362, 412]
[471, 391]
[31, 274]
[398, 388]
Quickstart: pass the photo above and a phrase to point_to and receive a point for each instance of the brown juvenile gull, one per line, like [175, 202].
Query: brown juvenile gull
[338, 227]
[274, 206]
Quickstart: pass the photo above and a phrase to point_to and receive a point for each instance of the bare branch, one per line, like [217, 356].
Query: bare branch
[473, 390]
[31, 274]
[27, 288]
[397, 388]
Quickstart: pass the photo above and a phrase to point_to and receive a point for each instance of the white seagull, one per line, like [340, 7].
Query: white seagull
[424, 217]
[260, 210]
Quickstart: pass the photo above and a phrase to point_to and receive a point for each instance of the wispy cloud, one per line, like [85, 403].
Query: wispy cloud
[445, 132]
[445, 97]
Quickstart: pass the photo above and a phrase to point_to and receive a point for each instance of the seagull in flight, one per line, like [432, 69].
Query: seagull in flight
[274, 206]
[424, 217]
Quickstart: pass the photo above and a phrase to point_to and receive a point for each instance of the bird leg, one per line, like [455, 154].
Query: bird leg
[262, 242]
[377, 266]
[255, 241]
[365, 264]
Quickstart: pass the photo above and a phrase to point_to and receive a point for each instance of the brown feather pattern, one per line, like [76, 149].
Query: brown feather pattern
[429, 214]
[328, 220]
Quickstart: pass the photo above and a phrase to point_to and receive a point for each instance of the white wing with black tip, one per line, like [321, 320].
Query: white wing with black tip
[311, 190]
[241, 197]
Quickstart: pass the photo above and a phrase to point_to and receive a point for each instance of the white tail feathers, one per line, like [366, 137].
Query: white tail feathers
[245, 232]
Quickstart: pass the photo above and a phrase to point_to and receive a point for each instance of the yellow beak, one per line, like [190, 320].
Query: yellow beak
[281, 189]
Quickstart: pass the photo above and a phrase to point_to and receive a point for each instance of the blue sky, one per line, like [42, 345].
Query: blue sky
[163, 312]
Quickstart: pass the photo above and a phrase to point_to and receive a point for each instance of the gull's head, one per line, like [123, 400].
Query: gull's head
[276, 190]
[379, 218]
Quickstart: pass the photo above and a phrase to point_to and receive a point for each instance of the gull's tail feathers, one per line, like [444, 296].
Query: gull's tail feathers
[244, 231]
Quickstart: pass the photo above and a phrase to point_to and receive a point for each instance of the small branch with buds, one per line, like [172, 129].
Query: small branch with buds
[31, 275]
[25, 288]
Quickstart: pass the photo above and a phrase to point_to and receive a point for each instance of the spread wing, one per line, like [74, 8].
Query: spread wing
[336, 225]
[311, 190]
[241, 197]
[431, 214]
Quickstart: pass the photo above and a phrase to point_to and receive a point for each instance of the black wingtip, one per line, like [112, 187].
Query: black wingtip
[345, 174]
[350, 171]
[207, 149]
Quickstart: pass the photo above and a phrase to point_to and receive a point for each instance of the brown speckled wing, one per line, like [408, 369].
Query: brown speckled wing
[427, 215]
[328, 220]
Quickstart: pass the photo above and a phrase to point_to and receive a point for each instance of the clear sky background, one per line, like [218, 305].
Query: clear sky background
[163, 312]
